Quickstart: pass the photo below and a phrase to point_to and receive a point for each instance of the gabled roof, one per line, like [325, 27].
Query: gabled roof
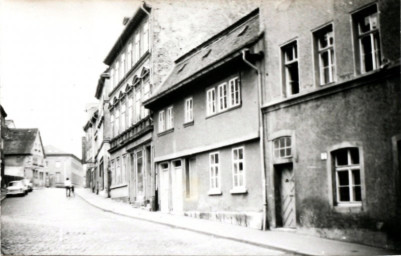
[127, 32]
[231, 40]
[19, 141]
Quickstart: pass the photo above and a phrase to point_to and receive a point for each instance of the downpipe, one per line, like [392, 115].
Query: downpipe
[261, 134]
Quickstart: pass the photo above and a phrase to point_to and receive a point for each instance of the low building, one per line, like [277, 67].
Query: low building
[206, 137]
[24, 156]
[61, 165]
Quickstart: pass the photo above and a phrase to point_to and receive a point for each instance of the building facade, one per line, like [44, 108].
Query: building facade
[206, 136]
[3, 115]
[332, 118]
[24, 156]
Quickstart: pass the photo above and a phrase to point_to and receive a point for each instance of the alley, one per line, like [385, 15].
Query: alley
[45, 222]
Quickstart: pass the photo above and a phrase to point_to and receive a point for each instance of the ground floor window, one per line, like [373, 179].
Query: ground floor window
[214, 169]
[347, 172]
[238, 165]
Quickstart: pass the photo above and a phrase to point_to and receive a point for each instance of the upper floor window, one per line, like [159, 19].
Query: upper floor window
[347, 176]
[189, 110]
[366, 26]
[136, 46]
[290, 68]
[122, 67]
[129, 56]
[122, 118]
[129, 110]
[211, 101]
[145, 38]
[169, 118]
[162, 126]
[117, 123]
[112, 125]
[116, 74]
[324, 45]
[282, 147]
[228, 96]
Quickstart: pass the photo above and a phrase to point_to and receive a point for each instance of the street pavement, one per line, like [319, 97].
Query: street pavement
[45, 222]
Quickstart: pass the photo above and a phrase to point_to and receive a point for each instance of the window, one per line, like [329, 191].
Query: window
[139, 169]
[222, 97]
[58, 164]
[136, 47]
[112, 78]
[129, 56]
[117, 74]
[117, 123]
[113, 173]
[161, 121]
[122, 118]
[137, 104]
[324, 43]
[366, 26]
[122, 66]
[169, 118]
[282, 147]
[145, 38]
[118, 171]
[290, 68]
[145, 96]
[129, 110]
[211, 101]
[238, 168]
[124, 169]
[235, 93]
[189, 110]
[214, 172]
[347, 176]
[112, 125]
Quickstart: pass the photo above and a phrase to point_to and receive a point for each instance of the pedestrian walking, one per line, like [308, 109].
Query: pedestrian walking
[68, 186]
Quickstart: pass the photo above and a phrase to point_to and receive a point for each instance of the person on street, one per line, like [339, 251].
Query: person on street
[67, 185]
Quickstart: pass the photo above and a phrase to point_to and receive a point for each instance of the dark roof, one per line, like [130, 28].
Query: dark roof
[232, 39]
[126, 34]
[3, 113]
[19, 141]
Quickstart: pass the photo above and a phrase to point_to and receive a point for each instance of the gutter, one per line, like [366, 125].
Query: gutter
[261, 133]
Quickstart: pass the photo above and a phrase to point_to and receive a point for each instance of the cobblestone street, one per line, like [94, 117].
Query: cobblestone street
[45, 222]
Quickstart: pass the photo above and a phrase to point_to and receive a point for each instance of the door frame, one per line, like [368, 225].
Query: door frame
[278, 169]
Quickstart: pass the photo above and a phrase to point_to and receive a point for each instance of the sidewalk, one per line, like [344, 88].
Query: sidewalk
[286, 241]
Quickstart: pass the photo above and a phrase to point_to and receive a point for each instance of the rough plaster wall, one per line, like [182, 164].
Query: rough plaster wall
[180, 26]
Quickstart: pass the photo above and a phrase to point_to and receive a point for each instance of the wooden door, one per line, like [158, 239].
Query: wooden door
[287, 192]
[164, 189]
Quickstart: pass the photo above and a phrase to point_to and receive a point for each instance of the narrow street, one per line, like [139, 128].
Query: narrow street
[45, 222]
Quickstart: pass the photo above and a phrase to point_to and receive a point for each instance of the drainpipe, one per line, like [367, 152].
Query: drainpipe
[261, 134]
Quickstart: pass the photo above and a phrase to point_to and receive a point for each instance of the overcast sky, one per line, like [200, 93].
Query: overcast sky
[51, 56]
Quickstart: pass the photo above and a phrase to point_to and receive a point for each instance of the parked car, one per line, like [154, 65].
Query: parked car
[16, 187]
[28, 184]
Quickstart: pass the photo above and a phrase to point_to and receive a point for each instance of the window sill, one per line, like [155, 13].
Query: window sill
[165, 132]
[348, 207]
[190, 123]
[224, 111]
[236, 191]
[214, 192]
[119, 186]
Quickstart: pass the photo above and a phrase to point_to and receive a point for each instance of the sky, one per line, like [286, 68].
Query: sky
[51, 56]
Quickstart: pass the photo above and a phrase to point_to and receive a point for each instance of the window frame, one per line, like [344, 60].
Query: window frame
[161, 123]
[211, 107]
[239, 188]
[285, 64]
[188, 112]
[214, 190]
[285, 147]
[169, 118]
[222, 97]
[358, 16]
[318, 53]
[236, 82]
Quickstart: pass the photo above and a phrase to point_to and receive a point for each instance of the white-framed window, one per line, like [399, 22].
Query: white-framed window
[112, 125]
[189, 110]
[129, 57]
[324, 40]
[124, 169]
[122, 67]
[137, 37]
[214, 171]
[211, 101]
[366, 26]
[169, 118]
[113, 172]
[112, 78]
[145, 96]
[129, 110]
[117, 123]
[235, 92]
[282, 147]
[117, 74]
[222, 97]
[122, 117]
[162, 127]
[137, 104]
[145, 38]
[238, 161]
[348, 186]
[290, 68]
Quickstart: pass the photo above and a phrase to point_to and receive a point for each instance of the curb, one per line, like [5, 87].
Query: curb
[285, 250]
